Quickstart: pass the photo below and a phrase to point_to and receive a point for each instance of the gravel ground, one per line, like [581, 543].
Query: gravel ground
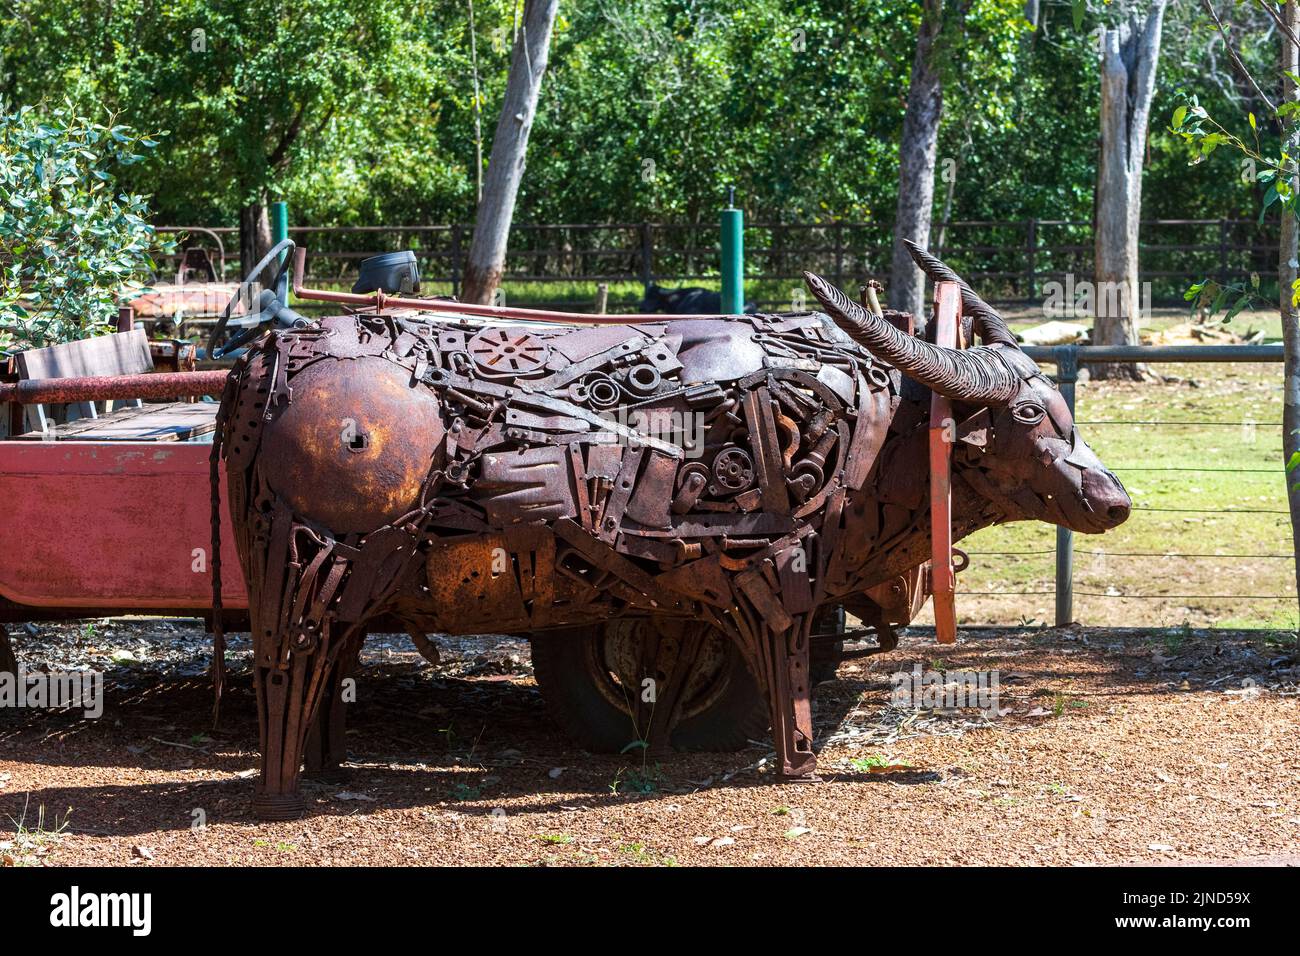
[1109, 747]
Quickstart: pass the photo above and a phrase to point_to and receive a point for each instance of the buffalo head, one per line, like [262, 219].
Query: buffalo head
[1025, 454]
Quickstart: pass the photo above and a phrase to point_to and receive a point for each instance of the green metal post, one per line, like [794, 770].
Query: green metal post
[279, 232]
[279, 222]
[733, 257]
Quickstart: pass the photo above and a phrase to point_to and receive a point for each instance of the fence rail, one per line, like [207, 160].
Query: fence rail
[1011, 261]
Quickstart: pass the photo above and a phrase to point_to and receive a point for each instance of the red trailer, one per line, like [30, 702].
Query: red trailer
[101, 527]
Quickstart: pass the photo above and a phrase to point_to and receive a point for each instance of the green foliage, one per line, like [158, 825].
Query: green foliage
[363, 113]
[1266, 160]
[70, 243]
[334, 105]
[1210, 297]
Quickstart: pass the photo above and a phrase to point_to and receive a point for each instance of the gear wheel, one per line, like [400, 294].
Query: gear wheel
[510, 351]
[733, 469]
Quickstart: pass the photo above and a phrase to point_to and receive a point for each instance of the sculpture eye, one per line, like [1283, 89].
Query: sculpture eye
[1028, 413]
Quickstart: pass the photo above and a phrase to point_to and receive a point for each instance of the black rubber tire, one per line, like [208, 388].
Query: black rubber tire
[594, 724]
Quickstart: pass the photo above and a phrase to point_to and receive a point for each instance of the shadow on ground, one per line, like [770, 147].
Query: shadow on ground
[420, 737]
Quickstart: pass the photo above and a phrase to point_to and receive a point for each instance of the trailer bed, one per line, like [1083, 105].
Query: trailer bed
[113, 526]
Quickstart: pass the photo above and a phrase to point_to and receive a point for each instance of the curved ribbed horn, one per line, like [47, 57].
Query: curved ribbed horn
[968, 375]
[993, 329]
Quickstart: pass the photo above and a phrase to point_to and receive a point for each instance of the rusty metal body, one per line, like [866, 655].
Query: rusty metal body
[741, 471]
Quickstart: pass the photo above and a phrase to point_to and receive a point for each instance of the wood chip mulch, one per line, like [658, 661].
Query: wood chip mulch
[1109, 747]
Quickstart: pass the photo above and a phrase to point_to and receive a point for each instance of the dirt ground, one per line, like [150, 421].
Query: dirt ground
[1109, 747]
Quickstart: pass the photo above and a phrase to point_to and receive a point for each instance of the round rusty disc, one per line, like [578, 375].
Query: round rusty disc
[354, 444]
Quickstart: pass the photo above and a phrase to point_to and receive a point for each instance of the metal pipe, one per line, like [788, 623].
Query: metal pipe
[381, 301]
[97, 388]
[943, 582]
[1160, 353]
[1067, 374]
[733, 257]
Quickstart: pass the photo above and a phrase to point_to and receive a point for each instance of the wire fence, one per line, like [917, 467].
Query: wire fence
[1011, 261]
[1275, 589]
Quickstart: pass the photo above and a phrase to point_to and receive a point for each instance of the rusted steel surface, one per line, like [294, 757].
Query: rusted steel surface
[95, 388]
[943, 581]
[192, 300]
[108, 525]
[740, 471]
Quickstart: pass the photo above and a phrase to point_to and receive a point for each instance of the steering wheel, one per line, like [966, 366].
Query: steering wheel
[272, 307]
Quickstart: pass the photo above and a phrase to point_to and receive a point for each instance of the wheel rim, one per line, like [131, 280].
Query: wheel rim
[613, 660]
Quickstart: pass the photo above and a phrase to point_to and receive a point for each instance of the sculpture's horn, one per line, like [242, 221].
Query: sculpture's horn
[993, 329]
[969, 375]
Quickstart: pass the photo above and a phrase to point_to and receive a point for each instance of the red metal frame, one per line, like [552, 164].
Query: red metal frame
[943, 578]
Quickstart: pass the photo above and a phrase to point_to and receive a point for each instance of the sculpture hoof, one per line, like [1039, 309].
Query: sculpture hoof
[801, 769]
[278, 806]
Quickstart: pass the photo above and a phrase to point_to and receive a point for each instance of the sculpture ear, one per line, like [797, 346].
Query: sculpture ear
[975, 430]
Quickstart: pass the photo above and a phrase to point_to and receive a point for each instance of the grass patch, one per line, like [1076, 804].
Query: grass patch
[31, 843]
[642, 781]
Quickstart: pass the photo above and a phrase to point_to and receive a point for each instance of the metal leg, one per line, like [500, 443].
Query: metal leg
[295, 660]
[326, 746]
[790, 699]
[8, 661]
[669, 658]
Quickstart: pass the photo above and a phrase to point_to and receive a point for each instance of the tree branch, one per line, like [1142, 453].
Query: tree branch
[282, 148]
[1209, 8]
[1278, 20]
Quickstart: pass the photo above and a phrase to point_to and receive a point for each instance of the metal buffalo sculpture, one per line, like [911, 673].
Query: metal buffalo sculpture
[742, 471]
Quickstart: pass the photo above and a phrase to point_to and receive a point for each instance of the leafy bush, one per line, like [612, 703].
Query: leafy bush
[69, 247]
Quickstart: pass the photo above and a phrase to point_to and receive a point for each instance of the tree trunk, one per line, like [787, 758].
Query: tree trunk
[916, 159]
[1128, 71]
[487, 253]
[254, 235]
[478, 111]
[1286, 274]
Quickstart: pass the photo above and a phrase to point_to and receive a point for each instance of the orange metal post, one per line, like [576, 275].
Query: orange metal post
[947, 319]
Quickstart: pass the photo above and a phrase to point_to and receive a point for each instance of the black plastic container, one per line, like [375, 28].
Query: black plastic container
[394, 272]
